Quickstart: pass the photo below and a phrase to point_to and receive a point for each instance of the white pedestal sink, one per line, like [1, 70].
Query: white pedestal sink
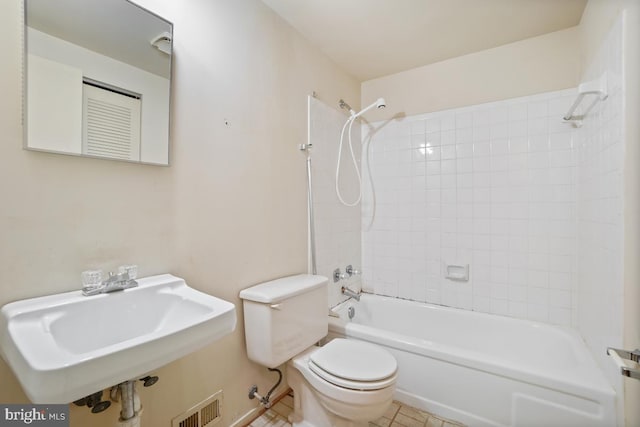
[66, 346]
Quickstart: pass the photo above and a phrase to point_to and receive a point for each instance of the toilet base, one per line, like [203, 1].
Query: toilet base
[311, 408]
[309, 412]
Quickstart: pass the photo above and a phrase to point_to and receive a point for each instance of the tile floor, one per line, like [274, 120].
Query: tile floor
[401, 415]
[398, 415]
[278, 415]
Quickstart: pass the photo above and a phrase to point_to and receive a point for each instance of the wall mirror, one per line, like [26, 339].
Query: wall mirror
[98, 80]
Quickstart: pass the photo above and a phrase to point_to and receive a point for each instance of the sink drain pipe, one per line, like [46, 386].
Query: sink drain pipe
[129, 400]
[264, 400]
[125, 393]
[128, 403]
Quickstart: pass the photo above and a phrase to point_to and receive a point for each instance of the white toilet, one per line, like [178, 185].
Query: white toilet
[344, 383]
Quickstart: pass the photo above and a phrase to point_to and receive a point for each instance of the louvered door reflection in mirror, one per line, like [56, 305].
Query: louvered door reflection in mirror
[98, 80]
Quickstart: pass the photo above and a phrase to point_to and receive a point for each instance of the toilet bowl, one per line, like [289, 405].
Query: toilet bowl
[344, 383]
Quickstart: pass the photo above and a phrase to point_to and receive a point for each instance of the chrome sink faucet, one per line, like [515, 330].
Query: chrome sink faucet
[92, 283]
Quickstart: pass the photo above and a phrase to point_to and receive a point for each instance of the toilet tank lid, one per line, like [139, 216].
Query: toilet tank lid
[283, 288]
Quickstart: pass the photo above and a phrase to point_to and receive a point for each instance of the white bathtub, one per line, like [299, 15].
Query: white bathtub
[481, 369]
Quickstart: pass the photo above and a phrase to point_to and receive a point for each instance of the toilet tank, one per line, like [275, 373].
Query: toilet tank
[284, 316]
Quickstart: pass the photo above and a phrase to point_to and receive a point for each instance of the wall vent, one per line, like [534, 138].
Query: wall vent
[205, 414]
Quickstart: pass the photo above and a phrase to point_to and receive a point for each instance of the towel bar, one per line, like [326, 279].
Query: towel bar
[596, 87]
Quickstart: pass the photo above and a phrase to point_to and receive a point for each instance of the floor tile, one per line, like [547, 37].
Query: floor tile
[398, 415]
[288, 400]
[405, 421]
[393, 410]
[434, 422]
[267, 420]
[381, 422]
[282, 409]
[414, 413]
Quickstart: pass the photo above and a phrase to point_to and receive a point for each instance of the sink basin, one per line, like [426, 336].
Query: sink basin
[66, 346]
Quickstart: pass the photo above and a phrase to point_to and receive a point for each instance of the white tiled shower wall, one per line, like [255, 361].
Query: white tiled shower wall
[492, 186]
[532, 204]
[337, 227]
[600, 144]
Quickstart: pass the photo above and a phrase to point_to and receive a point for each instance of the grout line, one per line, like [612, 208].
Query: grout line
[393, 419]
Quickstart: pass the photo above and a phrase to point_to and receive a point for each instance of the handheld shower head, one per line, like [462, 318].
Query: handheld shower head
[380, 103]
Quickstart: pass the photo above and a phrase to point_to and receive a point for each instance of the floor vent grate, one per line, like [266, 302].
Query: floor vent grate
[205, 414]
[210, 413]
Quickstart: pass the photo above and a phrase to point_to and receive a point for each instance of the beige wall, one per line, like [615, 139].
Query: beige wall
[540, 64]
[597, 18]
[229, 212]
[241, 199]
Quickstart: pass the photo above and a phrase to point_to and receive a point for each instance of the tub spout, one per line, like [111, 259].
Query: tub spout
[348, 292]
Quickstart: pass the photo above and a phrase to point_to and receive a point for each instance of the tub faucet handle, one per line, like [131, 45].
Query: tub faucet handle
[338, 275]
[352, 271]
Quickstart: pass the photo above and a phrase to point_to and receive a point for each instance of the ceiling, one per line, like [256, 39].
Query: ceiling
[374, 38]
[116, 28]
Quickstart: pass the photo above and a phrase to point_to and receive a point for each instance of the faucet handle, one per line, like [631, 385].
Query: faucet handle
[352, 271]
[131, 270]
[91, 281]
[337, 275]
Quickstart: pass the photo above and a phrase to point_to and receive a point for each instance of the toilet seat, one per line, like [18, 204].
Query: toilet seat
[353, 364]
